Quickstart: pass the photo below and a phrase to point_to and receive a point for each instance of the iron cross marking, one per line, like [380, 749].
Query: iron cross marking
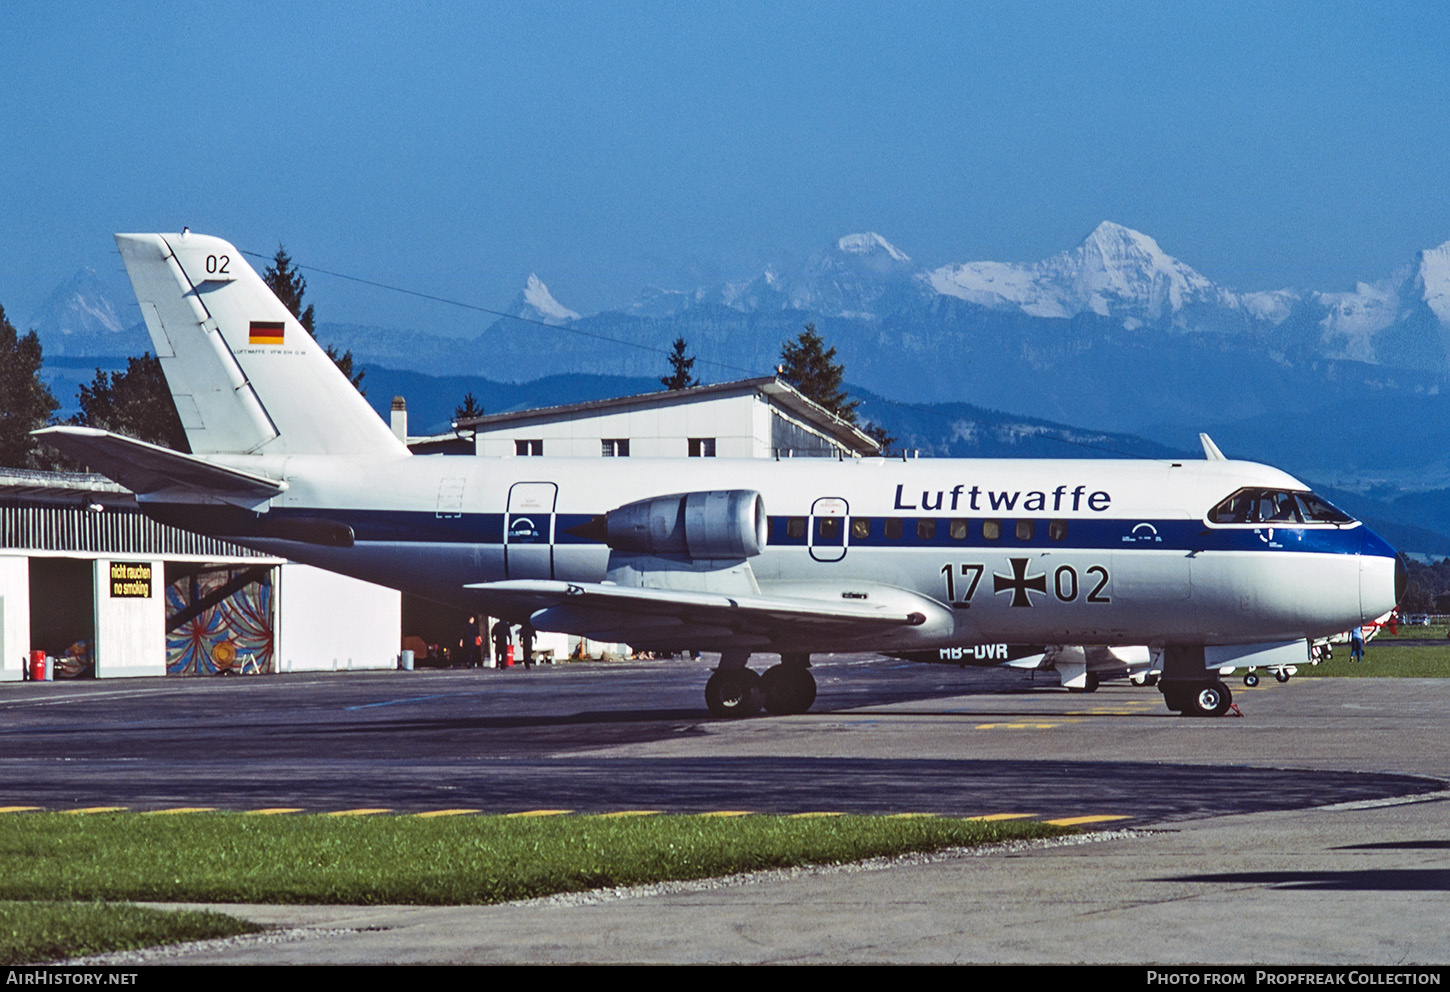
[1019, 582]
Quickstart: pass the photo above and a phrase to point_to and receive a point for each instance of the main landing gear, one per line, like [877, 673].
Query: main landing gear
[1197, 698]
[734, 690]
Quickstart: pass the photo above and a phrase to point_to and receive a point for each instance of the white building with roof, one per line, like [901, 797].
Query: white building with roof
[747, 418]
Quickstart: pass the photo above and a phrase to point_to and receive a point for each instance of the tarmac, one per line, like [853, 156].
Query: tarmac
[1354, 883]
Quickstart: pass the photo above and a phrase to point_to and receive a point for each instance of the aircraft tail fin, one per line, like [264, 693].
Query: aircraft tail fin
[245, 376]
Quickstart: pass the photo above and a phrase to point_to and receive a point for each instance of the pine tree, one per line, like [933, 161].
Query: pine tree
[883, 438]
[809, 366]
[26, 403]
[680, 366]
[289, 285]
[136, 403]
[470, 407]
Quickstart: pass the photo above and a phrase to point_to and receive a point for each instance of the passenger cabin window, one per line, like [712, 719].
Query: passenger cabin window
[860, 528]
[892, 528]
[959, 530]
[991, 530]
[1057, 530]
[702, 447]
[1276, 506]
[529, 447]
[616, 447]
[795, 527]
[926, 529]
[1025, 530]
[828, 528]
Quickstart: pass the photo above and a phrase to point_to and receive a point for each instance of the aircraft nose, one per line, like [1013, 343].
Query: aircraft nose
[1383, 577]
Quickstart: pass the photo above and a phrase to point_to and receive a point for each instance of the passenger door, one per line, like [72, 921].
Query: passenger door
[528, 530]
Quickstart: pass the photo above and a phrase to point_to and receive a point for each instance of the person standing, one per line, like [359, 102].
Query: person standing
[526, 645]
[1356, 644]
[502, 636]
[472, 643]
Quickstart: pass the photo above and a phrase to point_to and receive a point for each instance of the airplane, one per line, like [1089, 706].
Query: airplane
[1213, 563]
[1081, 667]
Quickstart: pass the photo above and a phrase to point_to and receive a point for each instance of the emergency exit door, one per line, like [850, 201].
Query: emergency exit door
[827, 539]
[528, 530]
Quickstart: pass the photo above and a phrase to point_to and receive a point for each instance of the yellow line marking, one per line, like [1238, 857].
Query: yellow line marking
[357, 812]
[990, 817]
[19, 809]
[1073, 821]
[97, 809]
[541, 812]
[630, 812]
[909, 816]
[274, 810]
[809, 816]
[730, 812]
[446, 812]
[1015, 726]
[181, 809]
[1104, 712]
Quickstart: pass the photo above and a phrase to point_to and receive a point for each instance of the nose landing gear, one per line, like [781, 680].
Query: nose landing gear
[1197, 698]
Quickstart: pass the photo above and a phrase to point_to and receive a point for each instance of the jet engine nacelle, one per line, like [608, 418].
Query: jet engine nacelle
[723, 523]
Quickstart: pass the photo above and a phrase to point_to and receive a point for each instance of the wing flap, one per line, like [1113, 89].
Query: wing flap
[635, 615]
[147, 469]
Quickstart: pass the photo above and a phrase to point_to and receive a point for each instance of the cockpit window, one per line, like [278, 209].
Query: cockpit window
[1276, 506]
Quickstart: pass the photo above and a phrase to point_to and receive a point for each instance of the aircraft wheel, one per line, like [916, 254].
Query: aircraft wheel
[1090, 684]
[733, 692]
[1209, 699]
[1251, 680]
[787, 690]
[1281, 675]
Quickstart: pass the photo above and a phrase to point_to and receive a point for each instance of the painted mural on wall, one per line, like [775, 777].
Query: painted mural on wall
[234, 636]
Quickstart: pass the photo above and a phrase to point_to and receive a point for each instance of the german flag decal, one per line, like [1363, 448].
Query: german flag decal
[265, 332]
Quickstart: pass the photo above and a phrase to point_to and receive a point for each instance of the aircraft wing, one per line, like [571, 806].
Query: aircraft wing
[669, 617]
[149, 468]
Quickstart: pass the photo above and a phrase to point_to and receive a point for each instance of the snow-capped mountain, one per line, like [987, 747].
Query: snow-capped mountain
[1401, 320]
[84, 316]
[850, 280]
[537, 303]
[1115, 271]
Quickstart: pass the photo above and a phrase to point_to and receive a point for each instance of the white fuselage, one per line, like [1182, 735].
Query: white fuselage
[1017, 551]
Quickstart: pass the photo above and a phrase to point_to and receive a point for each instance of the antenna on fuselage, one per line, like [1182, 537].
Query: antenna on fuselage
[1210, 450]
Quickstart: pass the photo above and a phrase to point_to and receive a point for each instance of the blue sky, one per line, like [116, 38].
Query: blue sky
[454, 148]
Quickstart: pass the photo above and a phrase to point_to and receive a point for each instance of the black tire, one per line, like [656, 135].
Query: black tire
[733, 692]
[1281, 676]
[1210, 699]
[787, 690]
[1175, 696]
[1251, 680]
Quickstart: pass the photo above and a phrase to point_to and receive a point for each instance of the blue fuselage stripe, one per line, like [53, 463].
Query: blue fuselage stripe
[408, 526]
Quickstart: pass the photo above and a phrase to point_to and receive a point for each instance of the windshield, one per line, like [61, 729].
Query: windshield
[1276, 506]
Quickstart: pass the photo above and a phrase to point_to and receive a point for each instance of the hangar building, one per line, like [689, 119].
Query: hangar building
[102, 590]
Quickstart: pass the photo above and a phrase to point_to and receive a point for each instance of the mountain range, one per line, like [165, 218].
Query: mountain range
[1111, 335]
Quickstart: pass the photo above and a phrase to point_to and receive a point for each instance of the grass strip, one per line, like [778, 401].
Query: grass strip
[47, 931]
[237, 857]
[1386, 659]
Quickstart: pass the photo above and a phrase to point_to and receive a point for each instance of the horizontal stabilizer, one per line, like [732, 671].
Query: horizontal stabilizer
[149, 468]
